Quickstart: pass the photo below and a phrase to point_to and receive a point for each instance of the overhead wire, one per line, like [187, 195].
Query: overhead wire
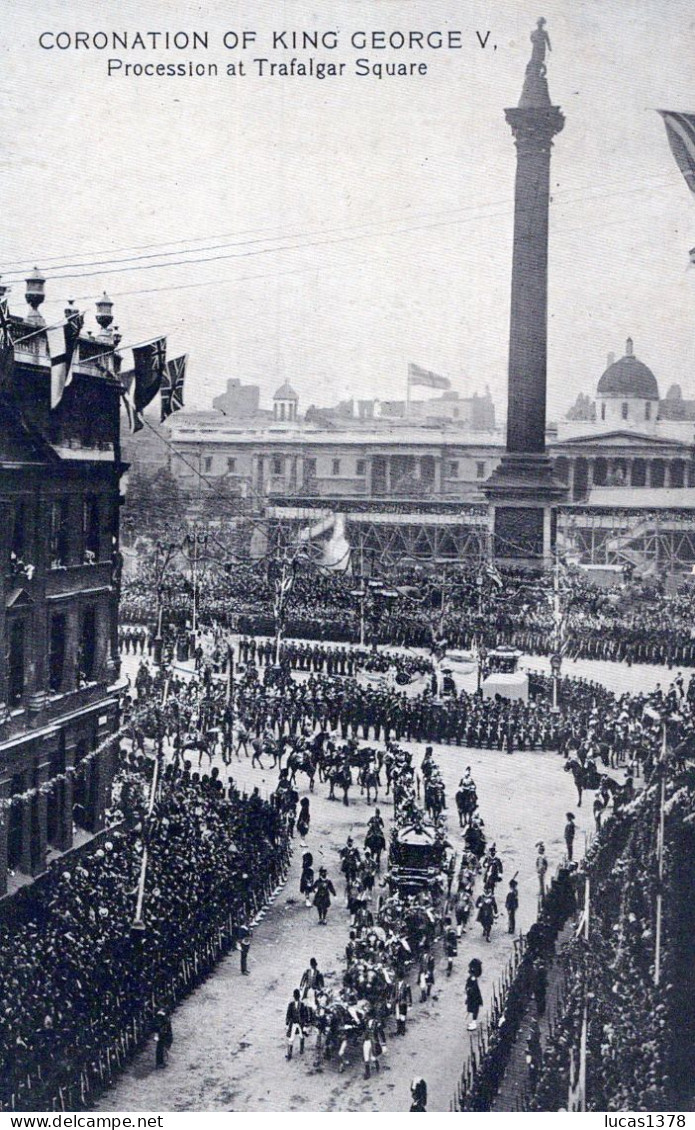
[112, 266]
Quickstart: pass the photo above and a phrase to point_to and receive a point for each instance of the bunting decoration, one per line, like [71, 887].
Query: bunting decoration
[62, 341]
[173, 380]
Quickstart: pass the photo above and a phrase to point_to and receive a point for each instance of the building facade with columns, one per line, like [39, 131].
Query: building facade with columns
[59, 591]
[418, 488]
[627, 441]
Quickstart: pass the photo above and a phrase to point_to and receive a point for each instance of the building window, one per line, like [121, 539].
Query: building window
[56, 652]
[90, 528]
[480, 470]
[58, 548]
[648, 410]
[453, 469]
[231, 464]
[15, 662]
[309, 472]
[361, 467]
[207, 463]
[336, 466]
[278, 465]
[603, 410]
[624, 411]
[19, 531]
[87, 649]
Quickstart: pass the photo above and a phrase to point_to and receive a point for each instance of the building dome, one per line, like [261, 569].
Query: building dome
[628, 379]
[286, 392]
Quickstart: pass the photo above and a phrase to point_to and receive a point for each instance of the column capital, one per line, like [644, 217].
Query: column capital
[534, 129]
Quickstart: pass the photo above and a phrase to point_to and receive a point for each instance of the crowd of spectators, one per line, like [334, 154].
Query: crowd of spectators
[81, 982]
[638, 1036]
[639, 1031]
[637, 622]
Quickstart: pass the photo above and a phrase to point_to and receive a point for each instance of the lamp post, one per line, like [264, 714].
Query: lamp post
[482, 656]
[164, 554]
[198, 540]
[360, 595]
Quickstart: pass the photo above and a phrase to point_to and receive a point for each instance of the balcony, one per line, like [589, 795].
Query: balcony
[67, 580]
[24, 720]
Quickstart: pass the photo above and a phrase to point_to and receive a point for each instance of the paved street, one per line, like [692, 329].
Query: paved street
[228, 1051]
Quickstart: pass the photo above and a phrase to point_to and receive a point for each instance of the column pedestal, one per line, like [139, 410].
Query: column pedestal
[523, 495]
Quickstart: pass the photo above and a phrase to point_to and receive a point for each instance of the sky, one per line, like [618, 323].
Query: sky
[355, 224]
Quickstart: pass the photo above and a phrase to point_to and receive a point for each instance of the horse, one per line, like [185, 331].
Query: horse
[341, 776]
[435, 802]
[375, 841]
[466, 803]
[585, 776]
[302, 761]
[370, 780]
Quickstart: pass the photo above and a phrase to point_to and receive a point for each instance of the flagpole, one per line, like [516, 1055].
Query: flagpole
[576, 1097]
[585, 1015]
[660, 859]
[138, 921]
[556, 610]
[195, 584]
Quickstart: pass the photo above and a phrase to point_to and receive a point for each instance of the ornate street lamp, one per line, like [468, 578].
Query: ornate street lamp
[105, 317]
[35, 296]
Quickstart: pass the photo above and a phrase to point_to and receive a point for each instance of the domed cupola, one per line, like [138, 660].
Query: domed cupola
[285, 404]
[627, 393]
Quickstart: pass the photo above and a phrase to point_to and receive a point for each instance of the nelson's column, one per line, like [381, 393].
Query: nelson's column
[521, 492]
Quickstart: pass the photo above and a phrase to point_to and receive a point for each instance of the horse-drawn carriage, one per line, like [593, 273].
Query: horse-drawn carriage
[418, 859]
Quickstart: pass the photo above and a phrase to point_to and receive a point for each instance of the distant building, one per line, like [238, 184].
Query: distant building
[632, 439]
[413, 487]
[239, 402]
[674, 407]
[59, 591]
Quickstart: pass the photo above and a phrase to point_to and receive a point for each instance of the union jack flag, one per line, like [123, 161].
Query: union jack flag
[172, 385]
[680, 130]
[149, 364]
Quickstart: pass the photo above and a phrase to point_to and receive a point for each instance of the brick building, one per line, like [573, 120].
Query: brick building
[59, 591]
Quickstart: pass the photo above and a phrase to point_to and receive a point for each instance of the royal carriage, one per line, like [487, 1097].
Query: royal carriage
[418, 859]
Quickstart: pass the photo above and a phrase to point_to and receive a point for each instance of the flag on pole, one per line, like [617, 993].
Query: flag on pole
[494, 575]
[149, 362]
[418, 376]
[62, 341]
[6, 346]
[680, 131]
[172, 386]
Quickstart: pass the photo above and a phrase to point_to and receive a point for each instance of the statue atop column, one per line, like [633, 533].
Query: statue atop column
[540, 40]
[535, 92]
